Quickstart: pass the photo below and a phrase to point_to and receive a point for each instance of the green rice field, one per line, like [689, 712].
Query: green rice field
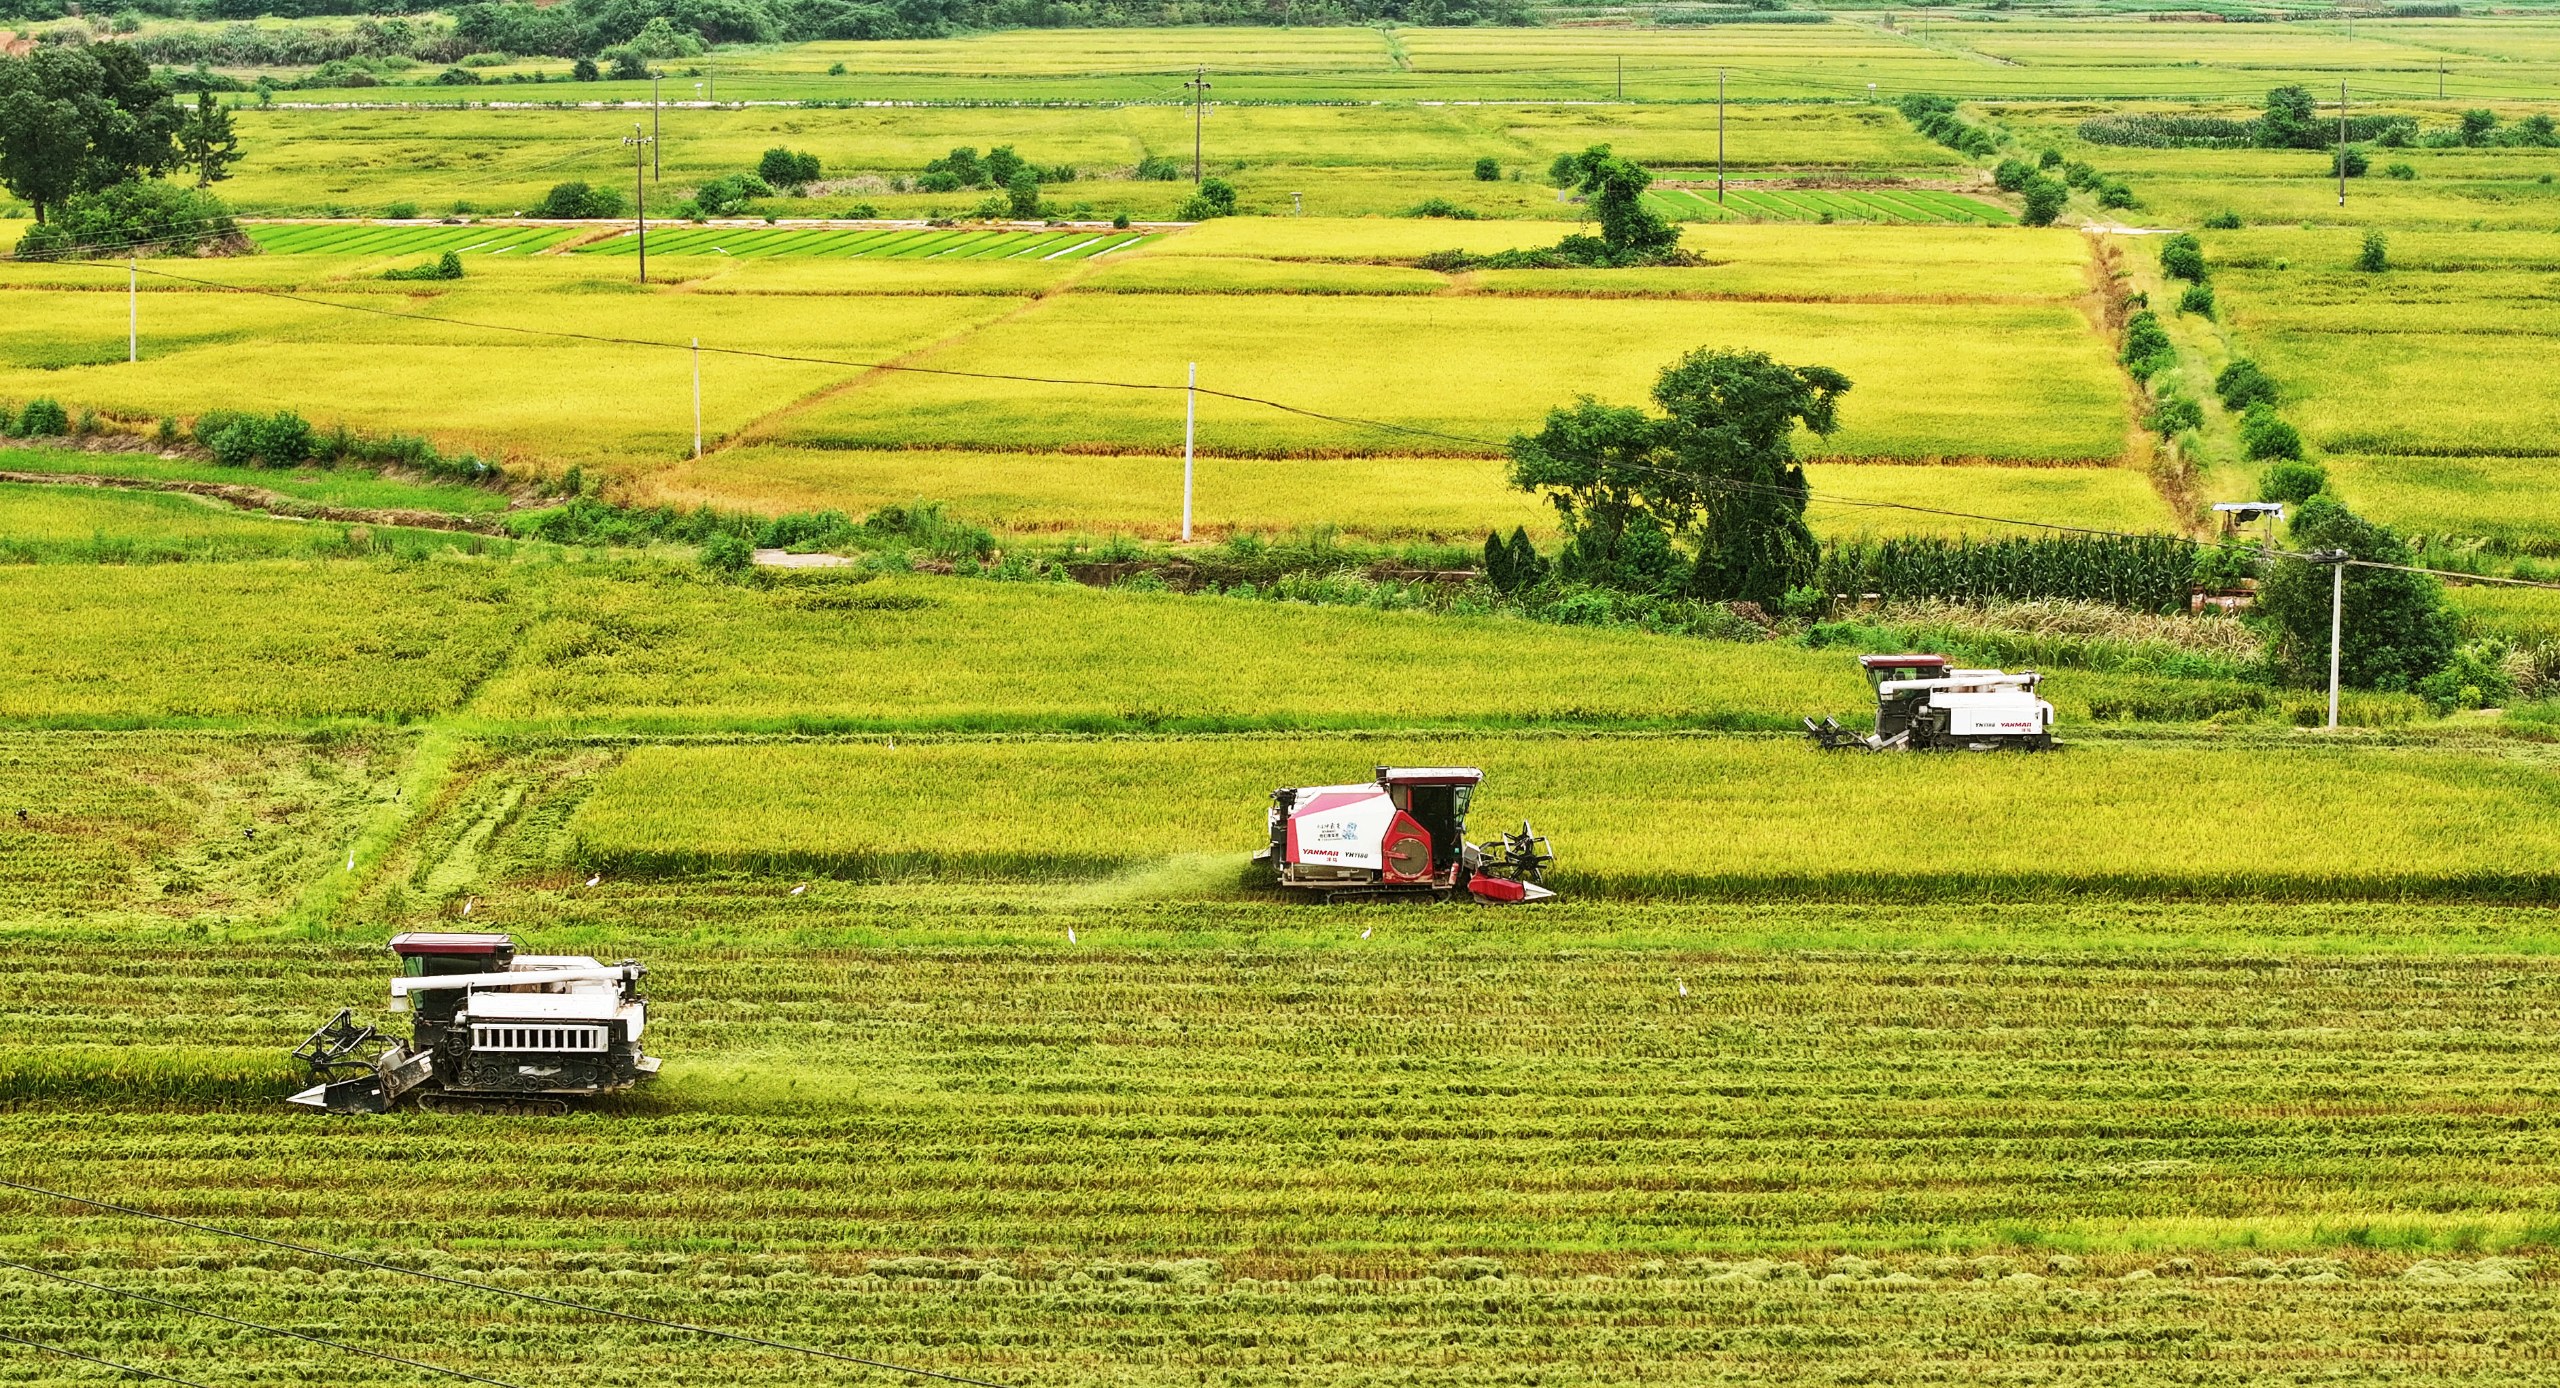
[1921, 205]
[332, 239]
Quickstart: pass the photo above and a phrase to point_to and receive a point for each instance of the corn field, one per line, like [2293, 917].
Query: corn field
[2145, 573]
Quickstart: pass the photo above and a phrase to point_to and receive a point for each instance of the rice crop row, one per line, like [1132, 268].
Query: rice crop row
[303, 238]
[1741, 818]
[1251, 1142]
[1838, 204]
[898, 244]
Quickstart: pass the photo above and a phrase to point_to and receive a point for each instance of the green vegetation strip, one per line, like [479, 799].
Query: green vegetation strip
[883, 244]
[302, 239]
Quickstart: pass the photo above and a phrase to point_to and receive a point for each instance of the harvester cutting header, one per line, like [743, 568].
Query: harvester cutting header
[1403, 834]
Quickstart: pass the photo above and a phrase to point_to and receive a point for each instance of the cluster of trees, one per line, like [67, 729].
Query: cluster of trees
[589, 28]
[1935, 117]
[1704, 498]
[85, 134]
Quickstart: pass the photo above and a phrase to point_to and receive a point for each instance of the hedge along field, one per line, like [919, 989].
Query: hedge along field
[1749, 819]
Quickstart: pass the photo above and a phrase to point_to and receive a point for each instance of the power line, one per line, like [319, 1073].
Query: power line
[254, 1325]
[109, 1363]
[564, 1304]
[1348, 421]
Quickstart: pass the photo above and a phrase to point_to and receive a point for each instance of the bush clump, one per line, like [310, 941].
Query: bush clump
[280, 440]
[2182, 257]
[785, 168]
[2292, 482]
[2147, 349]
[576, 201]
[42, 419]
[138, 216]
[2264, 435]
[445, 267]
[2242, 384]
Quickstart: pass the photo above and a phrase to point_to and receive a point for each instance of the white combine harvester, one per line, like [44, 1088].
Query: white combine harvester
[1403, 834]
[496, 1032]
[1923, 704]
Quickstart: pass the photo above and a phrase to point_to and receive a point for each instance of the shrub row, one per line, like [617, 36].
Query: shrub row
[2148, 573]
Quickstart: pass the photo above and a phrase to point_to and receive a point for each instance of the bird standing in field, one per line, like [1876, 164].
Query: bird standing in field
[595, 879]
[799, 889]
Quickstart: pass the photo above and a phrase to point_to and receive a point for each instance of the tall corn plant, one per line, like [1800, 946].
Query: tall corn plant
[2145, 573]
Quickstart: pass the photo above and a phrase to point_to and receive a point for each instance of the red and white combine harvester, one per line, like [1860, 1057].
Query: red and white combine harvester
[1403, 834]
[496, 1032]
[1924, 704]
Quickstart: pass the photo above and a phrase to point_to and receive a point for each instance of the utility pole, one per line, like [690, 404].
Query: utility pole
[2342, 142]
[2336, 559]
[640, 144]
[2439, 79]
[1190, 414]
[1719, 137]
[697, 397]
[1199, 85]
[132, 310]
[657, 105]
[1622, 77]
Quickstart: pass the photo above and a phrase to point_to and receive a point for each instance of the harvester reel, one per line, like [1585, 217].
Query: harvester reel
[339, 1050]
[1522, 857]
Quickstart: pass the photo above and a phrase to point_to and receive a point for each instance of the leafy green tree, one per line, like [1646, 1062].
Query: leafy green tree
[2182, 257]
[2243, 383]
[2374, 256]
[2264, 435]
[784, 168]
[2397, 630]
[2292, 482]
[1615, 188]
[1488, 170]
[2352, 159]
[1216, 198]
[2012, 174]
[2045, 200]
[1733, 420]
[2291, 121]
[206, 143]
[81, 120]
[1603, 467]
[1001, 165]
[1022, 193]
[2478, 126]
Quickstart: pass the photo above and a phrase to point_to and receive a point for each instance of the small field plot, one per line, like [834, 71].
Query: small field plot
[2454, 352]
[301, 238]
[1641, 816]
[97, 525]
[1879, 204]
[1846, 498]
[1960, 381]
[1398, 497]
[901, 243]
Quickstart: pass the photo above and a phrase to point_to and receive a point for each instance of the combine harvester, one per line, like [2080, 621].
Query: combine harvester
[1923, 705]
[1401, 835]
[496, 1032]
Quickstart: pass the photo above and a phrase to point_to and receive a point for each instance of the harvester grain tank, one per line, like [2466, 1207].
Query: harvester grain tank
[1401, 835]
[493, 1031]
[1923, 703]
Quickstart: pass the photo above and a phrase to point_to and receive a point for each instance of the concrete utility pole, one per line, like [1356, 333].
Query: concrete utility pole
[1190, 414]
[1199, 85]
[1719, 137]
[2336, 559]
[640, 145]
[657, 105]
[2342, 142]
[132, 310]
[697, 397]
[1622, 77]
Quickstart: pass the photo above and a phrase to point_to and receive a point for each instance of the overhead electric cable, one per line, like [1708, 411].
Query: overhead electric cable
[494, 1290]
[1348, 421]
[254, 1325]
[109, 1363]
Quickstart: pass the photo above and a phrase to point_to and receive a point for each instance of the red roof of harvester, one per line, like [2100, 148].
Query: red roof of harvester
[449, 942]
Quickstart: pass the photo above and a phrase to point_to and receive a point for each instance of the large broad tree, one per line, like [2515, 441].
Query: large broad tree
[78, 120]
[2397, 631]
[1614, 189]
[2292, 120]
[1733, 417]
[1717, 468]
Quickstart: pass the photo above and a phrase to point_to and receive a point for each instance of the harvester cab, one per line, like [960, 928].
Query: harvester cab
[493, 1031]
[1923, 703]
[1403, 834]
